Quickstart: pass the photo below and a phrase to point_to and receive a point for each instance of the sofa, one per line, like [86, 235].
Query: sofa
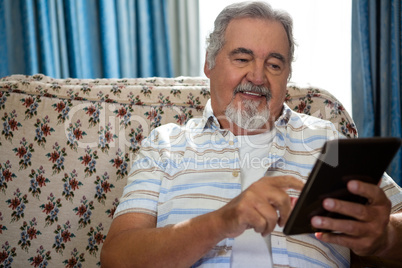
[66, 147]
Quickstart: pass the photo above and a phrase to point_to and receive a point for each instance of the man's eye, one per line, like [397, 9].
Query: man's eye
[275, 67]
[242, 60]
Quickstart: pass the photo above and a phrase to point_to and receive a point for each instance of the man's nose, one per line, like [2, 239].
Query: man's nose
[256, 74]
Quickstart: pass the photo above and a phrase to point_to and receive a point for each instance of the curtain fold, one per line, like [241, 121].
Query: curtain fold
[85, 38]
[109, 38]
[376, 71]
[185, 39]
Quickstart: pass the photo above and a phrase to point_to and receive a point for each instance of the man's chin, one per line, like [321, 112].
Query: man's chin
[252, 106]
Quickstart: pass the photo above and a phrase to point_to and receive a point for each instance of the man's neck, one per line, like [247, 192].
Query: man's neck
[238, 131]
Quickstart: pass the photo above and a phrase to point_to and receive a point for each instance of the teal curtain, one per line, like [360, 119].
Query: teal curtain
[377, 72]
[85, 38]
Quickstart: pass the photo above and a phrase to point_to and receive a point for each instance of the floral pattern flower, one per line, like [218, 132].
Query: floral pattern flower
[29, 233]
[41, 259]
[10, 124]
[7, 255]
[116, 89]
[24, 152]
[335, 107]
[184, 116]
[75, 95]
[105, 98]
[63, 235]
[6, 175]
[93, 111]
[155, 116]
[62, 108]
[194, 102]
[55, 86]
[105, 138]
[175, 92]
[96, 238]
[32, 104]
[102, 187]
[17, 204]
[306, 101]
[136, 137]
[110, 212]
[164, 100]
[135, 100]
[348, 128]
[37, 181]
[76, 260]
[121, 164]
[124, 113]
[303, 107]
[86, 88]
[74, 134]
[3, 99]
[57, 157]
[89, 161]
[42, 130]
[2, 227]
[71, 184]
[51, 209]
[205, 92]
[84, 212]
[146, 91]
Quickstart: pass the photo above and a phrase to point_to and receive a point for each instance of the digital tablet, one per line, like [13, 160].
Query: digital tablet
[340, 161]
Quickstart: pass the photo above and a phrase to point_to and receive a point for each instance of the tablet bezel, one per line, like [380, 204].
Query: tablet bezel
[339, 162]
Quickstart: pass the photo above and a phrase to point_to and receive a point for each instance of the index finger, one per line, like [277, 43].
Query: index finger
[284, 183]
[372, 192]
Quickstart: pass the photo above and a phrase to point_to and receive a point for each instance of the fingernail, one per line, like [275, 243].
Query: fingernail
[329, 203]
[316, 221]
[353, 185]
[319, 235]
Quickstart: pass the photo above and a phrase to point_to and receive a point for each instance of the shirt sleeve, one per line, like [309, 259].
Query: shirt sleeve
[393, 192]
[141, 193]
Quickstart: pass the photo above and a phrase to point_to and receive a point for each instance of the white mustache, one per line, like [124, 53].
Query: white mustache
[261, 90]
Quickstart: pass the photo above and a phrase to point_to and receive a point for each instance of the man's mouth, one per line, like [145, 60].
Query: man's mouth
[252, 91]
[253, 94]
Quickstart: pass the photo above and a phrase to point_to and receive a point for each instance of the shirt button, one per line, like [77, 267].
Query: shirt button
[235, 173]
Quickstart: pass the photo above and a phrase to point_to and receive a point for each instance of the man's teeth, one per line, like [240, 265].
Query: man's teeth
[252, 93]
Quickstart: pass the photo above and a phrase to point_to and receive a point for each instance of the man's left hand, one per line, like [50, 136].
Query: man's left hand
[368, 234]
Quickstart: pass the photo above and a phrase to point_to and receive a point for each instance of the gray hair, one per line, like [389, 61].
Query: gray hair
[260, 10]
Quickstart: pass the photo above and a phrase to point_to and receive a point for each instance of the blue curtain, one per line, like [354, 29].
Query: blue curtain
[84, 38]
[377, 72]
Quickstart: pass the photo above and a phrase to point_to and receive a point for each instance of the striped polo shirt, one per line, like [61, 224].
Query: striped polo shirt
[185, 171]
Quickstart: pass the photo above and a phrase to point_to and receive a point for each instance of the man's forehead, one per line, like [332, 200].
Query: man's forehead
[263, 34]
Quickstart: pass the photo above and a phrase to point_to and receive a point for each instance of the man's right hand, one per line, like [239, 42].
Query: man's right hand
[261, 206]
[134, 241]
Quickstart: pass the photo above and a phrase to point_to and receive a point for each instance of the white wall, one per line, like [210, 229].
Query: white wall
[322, 29]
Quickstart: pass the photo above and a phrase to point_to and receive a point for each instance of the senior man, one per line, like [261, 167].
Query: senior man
[193, 198]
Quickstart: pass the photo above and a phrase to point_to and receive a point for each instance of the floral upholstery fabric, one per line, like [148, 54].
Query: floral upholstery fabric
[66, 146]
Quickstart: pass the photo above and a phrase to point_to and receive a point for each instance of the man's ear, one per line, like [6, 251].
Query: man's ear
[207, 71]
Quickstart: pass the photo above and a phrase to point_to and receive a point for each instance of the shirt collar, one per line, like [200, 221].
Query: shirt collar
[284, 118]
[209, 119]
[211, 122]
